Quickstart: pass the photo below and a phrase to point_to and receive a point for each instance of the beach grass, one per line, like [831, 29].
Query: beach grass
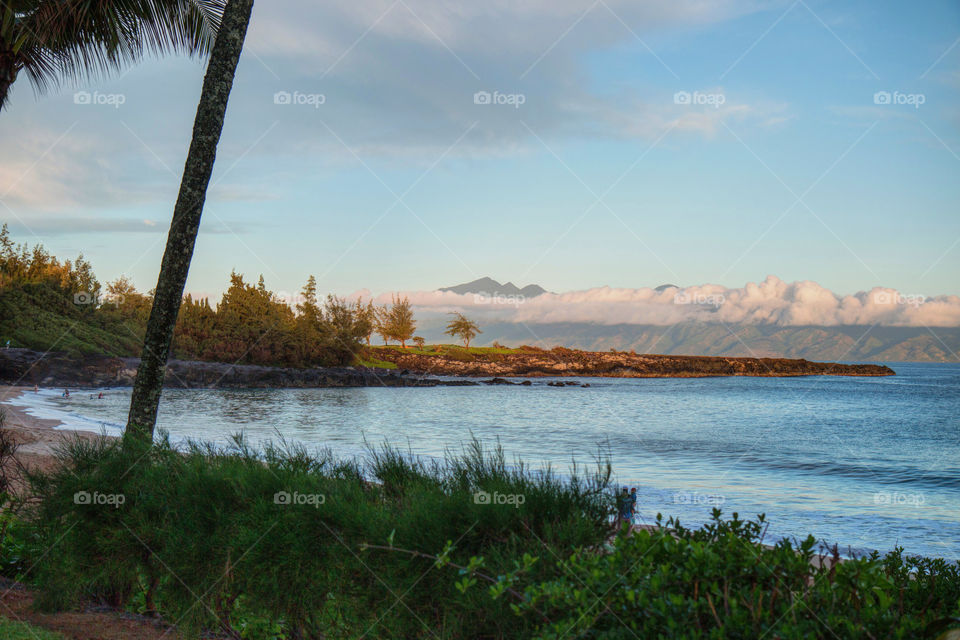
[303, 544]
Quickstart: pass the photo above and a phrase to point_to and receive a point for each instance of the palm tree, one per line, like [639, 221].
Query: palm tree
[186, 219]
[55, 40]
[463, 327]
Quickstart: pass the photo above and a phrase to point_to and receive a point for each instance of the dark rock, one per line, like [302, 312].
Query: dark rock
[561, 362]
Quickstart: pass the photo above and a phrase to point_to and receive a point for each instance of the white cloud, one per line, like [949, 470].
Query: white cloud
[771, 301]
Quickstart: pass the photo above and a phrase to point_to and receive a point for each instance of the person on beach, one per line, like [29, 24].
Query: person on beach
[633, 504]
[626, 507]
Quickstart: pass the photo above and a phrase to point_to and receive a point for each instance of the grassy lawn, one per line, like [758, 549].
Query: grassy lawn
[10, 630]
[374, 363]
[435, 349]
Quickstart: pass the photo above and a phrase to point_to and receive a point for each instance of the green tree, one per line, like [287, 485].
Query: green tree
[186, 219]
[123, 303]
[366, 318]
[195, 327]
[55, 40]
[419, 341]
[309, 325]
[400, 324]
[343, 330]
[461, 326]
[381, 323]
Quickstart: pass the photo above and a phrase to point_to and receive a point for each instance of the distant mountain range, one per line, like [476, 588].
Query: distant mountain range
[705, 337]
[824, 344]
[491, 288]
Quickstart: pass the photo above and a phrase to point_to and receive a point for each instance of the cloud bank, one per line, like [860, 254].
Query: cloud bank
[772, 302]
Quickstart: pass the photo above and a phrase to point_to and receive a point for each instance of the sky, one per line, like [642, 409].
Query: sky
[413, 144]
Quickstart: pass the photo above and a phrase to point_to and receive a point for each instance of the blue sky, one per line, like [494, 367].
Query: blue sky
[399, 181]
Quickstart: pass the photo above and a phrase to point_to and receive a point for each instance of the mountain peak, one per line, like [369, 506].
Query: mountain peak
[489, 287]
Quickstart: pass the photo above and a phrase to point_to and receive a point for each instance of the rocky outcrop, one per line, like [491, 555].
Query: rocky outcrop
[26, 367]
[533, 362]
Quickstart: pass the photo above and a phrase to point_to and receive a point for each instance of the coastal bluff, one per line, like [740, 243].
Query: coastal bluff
[559, 361]
[28, 367]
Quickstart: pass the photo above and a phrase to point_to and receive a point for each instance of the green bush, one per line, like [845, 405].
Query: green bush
[281, 545]
[234, 540]
[721, 582]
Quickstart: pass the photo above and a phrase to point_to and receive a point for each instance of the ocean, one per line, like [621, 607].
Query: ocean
[865, 463]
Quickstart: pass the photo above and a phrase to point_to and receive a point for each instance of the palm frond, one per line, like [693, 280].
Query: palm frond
[56, 40]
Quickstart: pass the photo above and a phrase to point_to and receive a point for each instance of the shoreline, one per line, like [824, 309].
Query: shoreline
[395, 367]
[37, 438]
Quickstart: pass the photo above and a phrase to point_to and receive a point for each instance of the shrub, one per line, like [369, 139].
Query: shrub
[720, 581]
[231, 539]
[278, 543]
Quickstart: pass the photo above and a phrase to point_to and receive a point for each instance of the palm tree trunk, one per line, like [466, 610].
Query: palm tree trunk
[186, 219]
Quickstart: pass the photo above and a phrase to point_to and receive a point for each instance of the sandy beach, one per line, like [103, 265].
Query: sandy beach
[37, 438]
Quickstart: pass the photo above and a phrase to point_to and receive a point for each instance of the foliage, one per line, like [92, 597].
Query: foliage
[48, 304]
[52, 40]
[244, 530]
[398, 546]
[396, 322]
[466, 329]
[366, 319]
[11, 630]
[720, 581]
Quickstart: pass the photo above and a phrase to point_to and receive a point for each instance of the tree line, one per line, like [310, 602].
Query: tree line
[250, 324]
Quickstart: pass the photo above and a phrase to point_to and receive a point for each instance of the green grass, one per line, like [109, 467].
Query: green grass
[448, 349]
[374, 363]
[10, 630]
[40, 317]
[318, 546]
[204, 511]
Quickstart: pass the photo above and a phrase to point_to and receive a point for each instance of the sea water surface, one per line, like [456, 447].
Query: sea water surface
[867, 463]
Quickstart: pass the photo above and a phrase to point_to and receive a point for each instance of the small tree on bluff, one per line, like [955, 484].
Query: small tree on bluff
[463, 327]
[400, 324]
